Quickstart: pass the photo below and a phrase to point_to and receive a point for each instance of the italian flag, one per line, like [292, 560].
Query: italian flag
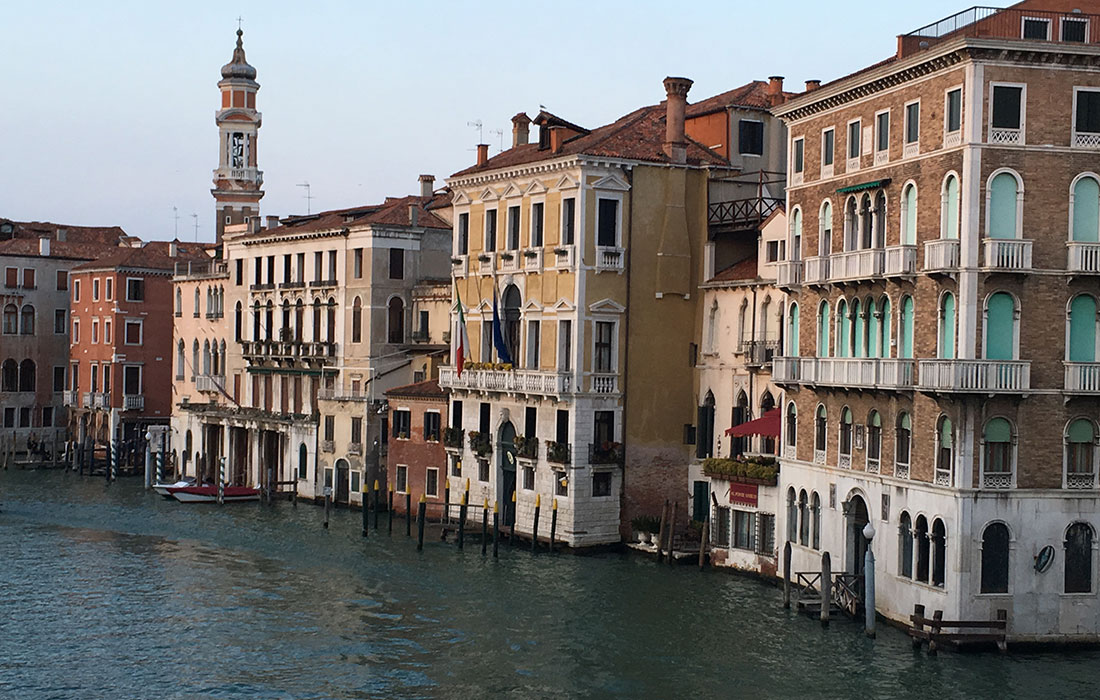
[462, 339]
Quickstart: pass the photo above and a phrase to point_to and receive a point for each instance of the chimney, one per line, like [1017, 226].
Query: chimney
[44, 246]
[427, 185]
[521, 130]
[557, 138]
[173, 249]
[272, 222]
[812, 85]
[414, 214]
[482, 153]
[775, 89]
[675, 145]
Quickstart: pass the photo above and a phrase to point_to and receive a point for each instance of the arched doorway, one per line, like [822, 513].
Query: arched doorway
[767, 403]
[506, 483]
[855, 518]
[342, 480]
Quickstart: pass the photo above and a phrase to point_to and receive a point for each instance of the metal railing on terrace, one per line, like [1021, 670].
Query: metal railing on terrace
[1025, 24]
[199, 270]
[746, 212]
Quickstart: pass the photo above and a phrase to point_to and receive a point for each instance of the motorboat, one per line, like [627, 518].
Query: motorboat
[209, 494]
[166, 489]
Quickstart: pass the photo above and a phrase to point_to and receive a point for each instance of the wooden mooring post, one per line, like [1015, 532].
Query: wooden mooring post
[787, 574]
[512, 529]
[703, 544]
[484, 527]
[462, 520]
[553, 524]
[328, 504]
[535, 528]
[672, 531]
[389, 524]
[661, 530]
[408, 512]
[826, 588]
[366, 510]
[496, 529]
[421, 514]
[375, 505]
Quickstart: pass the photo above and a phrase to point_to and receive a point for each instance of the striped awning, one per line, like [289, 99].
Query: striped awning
[872, 185]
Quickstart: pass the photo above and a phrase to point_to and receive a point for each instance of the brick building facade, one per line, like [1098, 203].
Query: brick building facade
[416, 462]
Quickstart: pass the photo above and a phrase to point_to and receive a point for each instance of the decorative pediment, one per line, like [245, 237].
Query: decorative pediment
[484, 307]
[566, 183]
[460, 199]
[607, 306]
[535, 187]
[512, 191]
[611, 182]
[564, 304]
[532, 305]
[489, 195]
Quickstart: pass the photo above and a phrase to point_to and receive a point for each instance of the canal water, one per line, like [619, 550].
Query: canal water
[112, 592]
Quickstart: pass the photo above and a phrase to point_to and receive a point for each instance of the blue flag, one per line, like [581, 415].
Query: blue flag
[498, 335]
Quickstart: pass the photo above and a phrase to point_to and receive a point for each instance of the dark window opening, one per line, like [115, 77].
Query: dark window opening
[750, 137]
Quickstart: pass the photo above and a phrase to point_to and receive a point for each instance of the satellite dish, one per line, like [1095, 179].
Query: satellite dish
[1044, 559]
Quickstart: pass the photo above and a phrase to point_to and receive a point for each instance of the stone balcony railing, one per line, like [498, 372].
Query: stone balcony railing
[486, 263]
[975, 376]
[605, 383]
[1006, 254]
[460, 265]
[70, 398]
[610, 258]
[858, 372]
[532, 259]
[342, 395]
[941, 255]
[563, 257]
[785, 370]
[901, 260]
[102, 400]
[287, 350]
[816, 270]
[1082, 377]
[133, 402]
[856, 265]
[758, 352]
[209, 383]
[520, 381]
[86, 400]
[1083, 257]
[788, 274]
[509, 261]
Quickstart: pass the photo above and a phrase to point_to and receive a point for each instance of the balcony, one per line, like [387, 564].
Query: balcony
[1083, 257]
[941, 256]
[527, 447]
[522, 381]
[300, 284]
[563, 257]
[743, 214]
[486, 263]
[759, 352]
[86, 400]
[328, 446]
[901, 260]
[788, 274]
[210, 384]
[70, 398]
[1010, 254]
[975, 376]
[102, 400]
[453, 438]
[605, 383]
[857, 372]
[1086, 140]
[509, 261]
[270, 286]
[333, 394]
[817, 270]
[785, 370]
[322, 284]
[558, 452]
[605, 453]
[532, 260]
[1082, 377]
[133, 402]
[857, 265]
[355, 448]
[610, 258]
[287, 350]
[1080, 480]
[460, 265]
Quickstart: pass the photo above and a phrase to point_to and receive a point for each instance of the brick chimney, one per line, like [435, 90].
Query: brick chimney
[427, 185]
[812, 85]
[675, 146]
[557, 138]
[273, 222]
[521, 129]
[482, 153]
[414, 215]
[775, 89]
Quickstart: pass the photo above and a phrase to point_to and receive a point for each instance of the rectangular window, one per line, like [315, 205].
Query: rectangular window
[356, 482]
[28, 278]
[565, 345]
[431, 426]
[357, 264]
[332, 266]
[513, 228]
[1088, 112]
[301, 268]
[533, 342]
[271, 269]
[561, 484]
[107, 377]
[1076, 30]
[431, 483]
[603, 428]
[954, 110]
[537, 223]
[135, 289]
[95, 331]
[607, 222]
[568, 220]
[62, 280]
[25, 417]
[772, 251]
[59, 378]
[601, 484]
[721, 527]
[288, 275]
[357, 429]
[529, 478]
[483, 470]
[131, 380]
[318, 267]
[456, 466]
[799, 156]
[828, 143]
[11, 277]
[912, 122]
[744, 530]
[853, 139]
[76, 290]
[107, 332]
[561, 432]
[1036, 28]
[490, 230]
[59, 324]
[133, 332]
[530, 422]
[238, 275]
[47, 416]
[76, 331]
[483, 418]
[330, 428]
[750, 137]
[110, 289]
[402, 424]
[1007, 108]
[882, 131]
[9, 417]
[402, 479]
[486, 341]
[463, 233]
[397, 263]
[603, 361]
[456, 414]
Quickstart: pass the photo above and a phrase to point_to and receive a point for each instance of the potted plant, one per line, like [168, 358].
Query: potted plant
[479, 444]
[530, 254]
[507, 256]
[456, 261]
[483, 257]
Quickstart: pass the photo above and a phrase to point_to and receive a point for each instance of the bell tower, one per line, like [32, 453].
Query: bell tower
[237, 180]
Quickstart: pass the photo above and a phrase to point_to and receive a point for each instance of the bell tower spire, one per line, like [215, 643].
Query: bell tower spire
[237, 179]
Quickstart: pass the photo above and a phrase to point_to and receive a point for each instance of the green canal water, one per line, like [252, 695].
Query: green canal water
[111, 592]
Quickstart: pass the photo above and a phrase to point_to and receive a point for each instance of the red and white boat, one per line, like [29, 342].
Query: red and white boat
[166, 489]
[209, 494]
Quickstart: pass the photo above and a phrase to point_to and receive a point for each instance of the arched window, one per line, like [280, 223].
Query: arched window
[866, 222]
[823, 329]
[1082, 329]
[872, 334]
[237, 322]
[874, 441]
[397, 321]
[842, 335]
[995, 542]
[815, 511]
[27, 375]
[825, 230]
[303, 456]
[299, 321]
[903, 435]
[821, 426]
[946, 345]
[1080, 454]
[905, 329]
[878, 239]
[939, 552]
[792, 516]
[206, 357]
[846, 437]
[256, 323]
[796, 234]
[923, 547]
[1000, 327]
[792, 331]
[803, 519]
[181, 358]
[1078, 555]
[851, 225]
[744, 328]
[885, 324]
[356, 320]
[765, 308]
[1085, 204]
[792, 427]
[945, 452]
[510, 303]
[221, 354]
[194, 359]
[317, 320]
[286, 331]
[909, 215]
[712, 327]
[9, 376]
[1003, 202]
[331, 320]
[11, 319]
[269, 320]
[187, 443]
[949, 208]
[197, 297]
[179, 302]
[998, 455]
[26, 320]
[905, 545]
[859, 330]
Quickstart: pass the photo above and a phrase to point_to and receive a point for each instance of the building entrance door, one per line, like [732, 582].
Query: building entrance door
[506, 481]
[857, 519]
[342, 484]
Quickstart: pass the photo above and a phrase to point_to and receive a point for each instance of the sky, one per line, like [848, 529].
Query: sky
[107, 108]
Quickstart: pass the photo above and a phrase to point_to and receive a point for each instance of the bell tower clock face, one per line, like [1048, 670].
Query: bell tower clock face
[236, 150]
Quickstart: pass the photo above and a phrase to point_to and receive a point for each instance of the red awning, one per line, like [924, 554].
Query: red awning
[767, 425]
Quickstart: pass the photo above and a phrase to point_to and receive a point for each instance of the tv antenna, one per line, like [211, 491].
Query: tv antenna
[196, 218]
[175, 222]
[309, 197]
[500, 134]
[477, 125]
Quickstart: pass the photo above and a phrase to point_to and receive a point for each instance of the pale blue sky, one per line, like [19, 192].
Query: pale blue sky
[107, 115]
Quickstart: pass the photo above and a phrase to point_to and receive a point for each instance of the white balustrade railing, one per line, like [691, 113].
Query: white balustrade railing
[816, 270]
[785, 369]
[975, 375]
[941, 255]
[87, 399]
[894, 372]
[563, 257]
[509, 261]
[869, 372]
[1083, 257]
[526, 381]
[210, 383]
[857, 264]
[610, 258]
[942, 477]
[788, 273]
[1086, 140]
[605, 383]
[133, 402]
[1010, 137]
[1006, 253]
[1082, 377]
[901, 260]
[532, 259]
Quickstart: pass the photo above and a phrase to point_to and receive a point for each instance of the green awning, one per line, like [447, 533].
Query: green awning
[872, 185]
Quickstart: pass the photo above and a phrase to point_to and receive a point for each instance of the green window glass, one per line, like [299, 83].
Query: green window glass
[909, 207]
[884, 345]
[872, 330]
[1002, 207]
[906, 349]
[796, 235]
[947, 327]
[823, 330]
[859, 330]
[1086, 210]
[999, 332]
[1082, 329]
[843, 332]
[951, 209]
[792, 332]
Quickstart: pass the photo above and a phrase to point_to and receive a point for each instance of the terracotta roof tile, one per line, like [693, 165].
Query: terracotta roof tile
[394, 211]
[154, 255]
[738, 272]
[420, 390]
[33, 230]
